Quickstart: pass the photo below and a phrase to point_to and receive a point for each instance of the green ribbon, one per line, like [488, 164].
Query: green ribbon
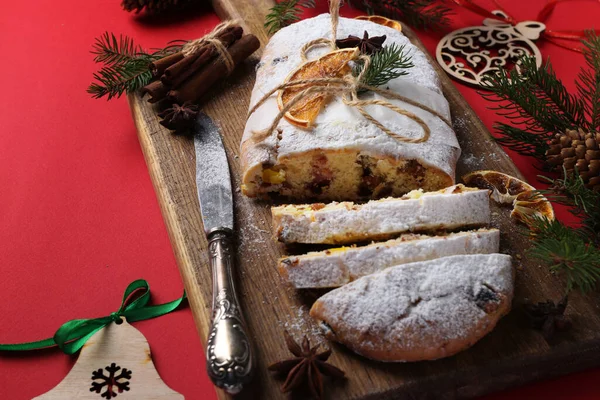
[72, 335]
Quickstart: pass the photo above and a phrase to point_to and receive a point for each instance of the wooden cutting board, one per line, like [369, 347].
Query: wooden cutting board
[512, 354]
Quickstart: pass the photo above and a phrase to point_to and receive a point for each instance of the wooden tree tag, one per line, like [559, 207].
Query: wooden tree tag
[115, 363]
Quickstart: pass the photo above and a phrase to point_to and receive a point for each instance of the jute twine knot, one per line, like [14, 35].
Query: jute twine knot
[347, 87]
[212, 39]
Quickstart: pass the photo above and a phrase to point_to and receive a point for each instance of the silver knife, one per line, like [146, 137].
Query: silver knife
[228, 352]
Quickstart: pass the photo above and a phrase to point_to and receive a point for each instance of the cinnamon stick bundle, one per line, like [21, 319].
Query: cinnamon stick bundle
[174, 79]
[174, 70]
[192, 89]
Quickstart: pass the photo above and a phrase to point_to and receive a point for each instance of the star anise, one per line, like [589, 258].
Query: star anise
[307, 367]
[179, 118]
[548, 317]
[366, 45]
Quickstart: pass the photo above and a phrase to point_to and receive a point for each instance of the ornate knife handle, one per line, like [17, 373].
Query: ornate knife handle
[228, 351]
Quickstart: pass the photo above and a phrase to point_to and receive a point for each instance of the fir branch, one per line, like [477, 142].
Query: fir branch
[535, 100]
[285, 13]
[588, 82]
[422, 14]
[570, 190]
[113, 81]
[110, 50]
[567, 253]
[387, 64]
[521, 141]
[125, 68]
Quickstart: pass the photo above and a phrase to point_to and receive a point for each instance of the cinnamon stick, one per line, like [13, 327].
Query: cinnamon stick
[178, 68]
[157, 90]
[198, 84]
[158, 67]
[204, 57]
[179, 72]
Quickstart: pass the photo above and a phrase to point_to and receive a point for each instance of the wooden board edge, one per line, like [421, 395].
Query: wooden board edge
[502, 376]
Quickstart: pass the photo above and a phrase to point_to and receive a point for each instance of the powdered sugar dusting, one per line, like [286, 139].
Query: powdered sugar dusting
[419, 307]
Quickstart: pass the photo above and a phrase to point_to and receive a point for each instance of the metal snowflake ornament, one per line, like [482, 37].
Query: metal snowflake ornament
[472, 53]
[112, 383]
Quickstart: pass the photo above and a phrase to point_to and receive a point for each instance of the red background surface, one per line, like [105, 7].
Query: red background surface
[78, 215]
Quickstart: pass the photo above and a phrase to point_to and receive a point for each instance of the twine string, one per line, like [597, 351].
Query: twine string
[212, 39]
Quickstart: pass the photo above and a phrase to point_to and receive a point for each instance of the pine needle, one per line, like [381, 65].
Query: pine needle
[110, 50]
[285, 13]
[389, 63]
[521, 141]
[588, 82]
[537, 104]
[125, 65]
[570, 190]
[567, 253]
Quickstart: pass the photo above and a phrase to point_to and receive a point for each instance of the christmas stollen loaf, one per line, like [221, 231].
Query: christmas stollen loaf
[419, 311]
[339, 223]
[344, 156]
[335, 267]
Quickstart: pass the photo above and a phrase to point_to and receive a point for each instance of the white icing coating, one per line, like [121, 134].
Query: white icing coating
[336, 267]
[347, 222]
[422, 310]
[339, 126]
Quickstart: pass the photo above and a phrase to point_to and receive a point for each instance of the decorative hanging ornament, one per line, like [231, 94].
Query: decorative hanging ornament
[472, 53]
[115, 357]
[114, 362]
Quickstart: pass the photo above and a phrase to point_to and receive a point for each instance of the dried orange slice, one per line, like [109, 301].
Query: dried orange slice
[531, 204]
[378, 19]
[506, 189]
[331, 65]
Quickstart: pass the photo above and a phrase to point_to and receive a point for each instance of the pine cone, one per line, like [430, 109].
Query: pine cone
[152, 5]
[577, 148]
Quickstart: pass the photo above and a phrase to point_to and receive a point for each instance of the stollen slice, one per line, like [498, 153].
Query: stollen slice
[419, 311]
[339, 223]
[338, 266]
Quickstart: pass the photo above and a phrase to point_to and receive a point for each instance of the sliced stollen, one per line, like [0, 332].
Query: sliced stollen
[419, 311]
[336, 267]
[338, 223]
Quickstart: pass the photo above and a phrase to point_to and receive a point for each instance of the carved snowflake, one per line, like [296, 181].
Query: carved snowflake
[113, 383]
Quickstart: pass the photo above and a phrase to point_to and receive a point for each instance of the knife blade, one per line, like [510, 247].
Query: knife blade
[228, 351]
[213, 181]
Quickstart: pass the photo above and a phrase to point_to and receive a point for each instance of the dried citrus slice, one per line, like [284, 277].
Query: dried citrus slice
[378, 19]
[331, 65]
[531, 204]
[506, 189]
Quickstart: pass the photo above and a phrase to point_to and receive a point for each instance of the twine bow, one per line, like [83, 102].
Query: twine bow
[212, 39]
[72, 335]
[347, 88]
